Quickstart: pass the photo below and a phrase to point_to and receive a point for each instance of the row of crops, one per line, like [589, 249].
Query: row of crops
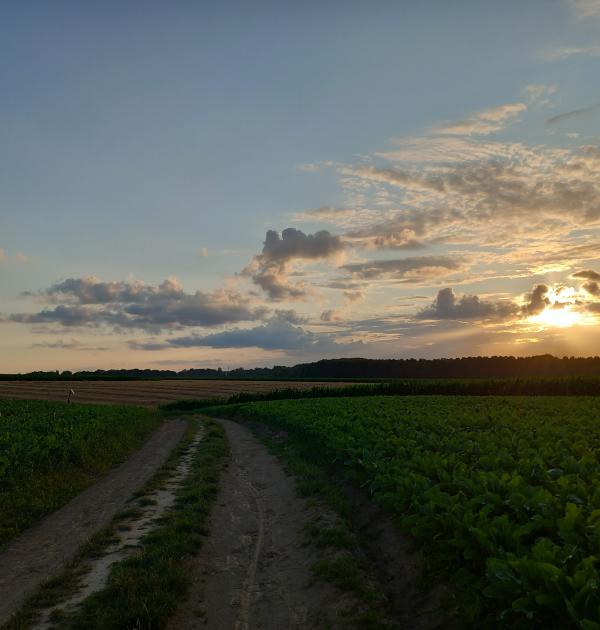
[503, 493]
[51, 451]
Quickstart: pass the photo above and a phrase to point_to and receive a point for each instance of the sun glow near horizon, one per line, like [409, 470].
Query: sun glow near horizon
[562, 310]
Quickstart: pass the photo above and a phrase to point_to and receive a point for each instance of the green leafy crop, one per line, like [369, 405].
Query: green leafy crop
[503, 493]
[51, 451]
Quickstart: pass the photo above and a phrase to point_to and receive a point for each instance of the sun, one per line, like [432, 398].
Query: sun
[557, 317]
[561, 311]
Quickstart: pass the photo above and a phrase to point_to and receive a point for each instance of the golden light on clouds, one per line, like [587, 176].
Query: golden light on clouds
[557, 317]
[561, 310]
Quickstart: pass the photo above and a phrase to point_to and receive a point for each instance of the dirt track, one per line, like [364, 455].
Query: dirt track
[148, 393]
[254, 571]
[42, 550]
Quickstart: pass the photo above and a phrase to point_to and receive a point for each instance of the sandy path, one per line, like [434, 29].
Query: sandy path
[254, 571]
[41, 551]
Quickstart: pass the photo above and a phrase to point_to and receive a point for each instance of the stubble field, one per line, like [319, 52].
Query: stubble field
[147, 393]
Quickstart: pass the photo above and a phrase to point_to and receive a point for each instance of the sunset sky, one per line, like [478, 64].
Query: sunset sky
[220, 184]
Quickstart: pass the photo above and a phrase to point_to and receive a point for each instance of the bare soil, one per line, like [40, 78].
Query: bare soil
[255, 569]
[43, 550]
[147, 393]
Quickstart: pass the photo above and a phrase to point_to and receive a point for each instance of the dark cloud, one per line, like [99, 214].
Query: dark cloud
[593, 288]
[294, 243]
[90, 290]
[415, 269]
[448, 306]
[270, 269]
[537, 300]
[136, 305]
[588, 274]
[274, 335]
[576, 113]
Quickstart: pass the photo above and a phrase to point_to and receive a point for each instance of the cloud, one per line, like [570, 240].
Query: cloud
[593, 277]
[515, 197]
[136, 305]
[91, 290]
[484, 122]
[74, 344]
[576, 113]
[585, 8]
[203, 252]
[570, 51]
[3, 256]
[447, 306]
[539, 93]
[537, 300]
[270, 269]
[60, 344]
[407, 270]
[331, 315]
[274, 335]
[325, 214]
[588, 274]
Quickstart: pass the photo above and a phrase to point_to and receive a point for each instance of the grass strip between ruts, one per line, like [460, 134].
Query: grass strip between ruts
[143, 591]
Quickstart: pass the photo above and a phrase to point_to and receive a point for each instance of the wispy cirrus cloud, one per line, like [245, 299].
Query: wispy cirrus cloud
[413, 270]
[585, 8]
[575, 113]
[483, 122]
[564, 52]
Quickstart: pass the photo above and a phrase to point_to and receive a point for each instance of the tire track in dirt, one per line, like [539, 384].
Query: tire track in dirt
[255, 569]
[41, 551]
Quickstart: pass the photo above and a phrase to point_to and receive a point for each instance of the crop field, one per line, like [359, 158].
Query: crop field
[49, 452]
[147, 393]
[503, 494]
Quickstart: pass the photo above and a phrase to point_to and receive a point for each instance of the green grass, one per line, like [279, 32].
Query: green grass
[49, 452]
[503, 493]
[144, 590]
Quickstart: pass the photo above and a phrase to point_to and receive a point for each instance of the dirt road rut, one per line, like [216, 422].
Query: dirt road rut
[255, 570]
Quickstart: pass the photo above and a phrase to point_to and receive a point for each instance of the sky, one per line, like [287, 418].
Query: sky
[233, 184]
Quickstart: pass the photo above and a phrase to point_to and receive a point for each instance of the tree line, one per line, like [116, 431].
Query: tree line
[495, 367]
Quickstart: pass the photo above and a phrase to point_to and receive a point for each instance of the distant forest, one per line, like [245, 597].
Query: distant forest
[542, 366]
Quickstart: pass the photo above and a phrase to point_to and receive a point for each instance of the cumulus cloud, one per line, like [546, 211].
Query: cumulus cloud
[448, 306]
[537, 300]
[136, 305]
[274, 335]
[271, 268]
[407, 270]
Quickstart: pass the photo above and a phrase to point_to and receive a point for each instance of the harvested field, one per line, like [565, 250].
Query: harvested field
[148, 393]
